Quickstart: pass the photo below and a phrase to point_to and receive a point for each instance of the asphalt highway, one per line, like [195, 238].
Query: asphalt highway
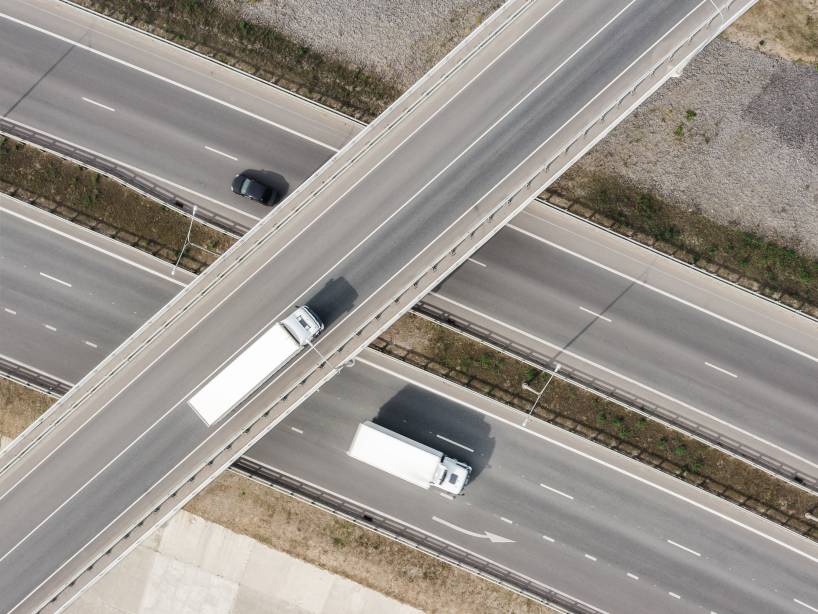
[114, 92]
[129, 440]
[565, 512]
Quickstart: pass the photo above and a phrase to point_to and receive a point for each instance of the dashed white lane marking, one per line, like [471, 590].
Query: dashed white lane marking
[221, 153]
[11, 311]
[596, 315]
[477, 262]
[454, 443]
[632, 576]
[99, 104]
[674, 595]
[725, 371]
[685, 548]
[548, 539]
[559, 492]
[52, 278]
[806, 605]
[592, 558]
[506, 520]
[446, 495]
[51, 328]
[93, 345]
[299, 431]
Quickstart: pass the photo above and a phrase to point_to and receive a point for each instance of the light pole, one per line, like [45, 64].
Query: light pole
[538, 393]
[187, 241]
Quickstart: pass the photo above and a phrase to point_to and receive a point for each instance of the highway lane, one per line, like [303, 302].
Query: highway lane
[688, 346]
[583, 519]
[69, 296]
[145, 430]
[144, 103]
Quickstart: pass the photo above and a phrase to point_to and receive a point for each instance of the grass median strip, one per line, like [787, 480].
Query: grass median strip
[102, 204]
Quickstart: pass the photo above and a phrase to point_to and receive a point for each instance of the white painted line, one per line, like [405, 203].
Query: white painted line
[674, 595]
[632, 577]
[664, 293]
[99, 104]
[89, 344]
[477, 262]
[454, 443]
[297, 430]
[221, 153]
[591, 458]
[167, 80]
[559, 492]
[596, 315]
[806, 605]
[59, 281]
[685, 548]
[11, 311]
[589, 557]
[548, 539]
[98, 237]
[51, 328]
[625, 378]
[506, 520]
[446, 495]
[725, 371]
[493, 538]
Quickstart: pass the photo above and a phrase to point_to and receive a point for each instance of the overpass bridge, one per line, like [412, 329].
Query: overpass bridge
[371, 232]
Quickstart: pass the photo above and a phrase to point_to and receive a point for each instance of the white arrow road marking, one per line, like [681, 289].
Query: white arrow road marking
[497, 539]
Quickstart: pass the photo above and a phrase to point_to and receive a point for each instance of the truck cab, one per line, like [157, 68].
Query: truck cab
[452, 475]
[303, 325]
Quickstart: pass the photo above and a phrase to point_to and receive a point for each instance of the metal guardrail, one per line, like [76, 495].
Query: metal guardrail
[32, 378]
[442, 550]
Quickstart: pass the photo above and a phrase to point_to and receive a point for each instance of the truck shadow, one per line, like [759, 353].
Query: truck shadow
[440, 424]
[332, 301]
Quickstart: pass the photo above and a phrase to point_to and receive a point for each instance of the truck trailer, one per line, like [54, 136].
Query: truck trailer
[407, 459]
[257, 363]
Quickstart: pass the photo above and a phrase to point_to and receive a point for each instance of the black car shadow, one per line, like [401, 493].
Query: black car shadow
[272, 179]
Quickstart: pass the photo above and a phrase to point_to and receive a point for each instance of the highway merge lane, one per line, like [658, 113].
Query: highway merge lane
[342, 258]
[727, 392]
[565, 512]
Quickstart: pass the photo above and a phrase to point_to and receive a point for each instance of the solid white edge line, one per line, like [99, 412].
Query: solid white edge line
[680, 546]
[36, 370]
[664, 293]
[806, 605]
[92, 246]
[99, 104]
[167, 80]
[725, 371]
[598, 461]
[559, 492]
[52, 278]
[625, 378]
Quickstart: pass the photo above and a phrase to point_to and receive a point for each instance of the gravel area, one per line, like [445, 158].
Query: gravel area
[398, 41]
[736, 138]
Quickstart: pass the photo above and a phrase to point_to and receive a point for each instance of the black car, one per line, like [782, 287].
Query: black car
[254, 190]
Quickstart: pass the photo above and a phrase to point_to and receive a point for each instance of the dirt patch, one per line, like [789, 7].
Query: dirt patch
[786, 28]
[19, 407]
[341, 547]
[93, 200]
[457, 357]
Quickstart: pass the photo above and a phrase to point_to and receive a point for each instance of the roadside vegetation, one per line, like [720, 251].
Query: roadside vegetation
[260, 50]
[774, 267]
[19, 407]
[90, 199]
[786, 28]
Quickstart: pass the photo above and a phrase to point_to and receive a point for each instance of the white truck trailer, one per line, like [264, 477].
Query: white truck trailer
[407, 459]
[255, 365]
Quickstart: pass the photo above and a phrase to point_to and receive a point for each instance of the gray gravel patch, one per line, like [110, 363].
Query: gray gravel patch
[748, 157]
[398, 41]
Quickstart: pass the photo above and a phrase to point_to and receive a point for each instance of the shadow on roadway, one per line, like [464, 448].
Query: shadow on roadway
[336, 298]
[274, 180]
[421, 415]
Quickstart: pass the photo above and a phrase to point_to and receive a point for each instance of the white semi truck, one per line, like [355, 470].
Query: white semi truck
[255, 365]
[407, 459]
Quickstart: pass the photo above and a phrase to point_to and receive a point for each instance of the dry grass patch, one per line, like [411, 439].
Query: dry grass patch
[19, 407]
[786, 28]
[313, 535]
